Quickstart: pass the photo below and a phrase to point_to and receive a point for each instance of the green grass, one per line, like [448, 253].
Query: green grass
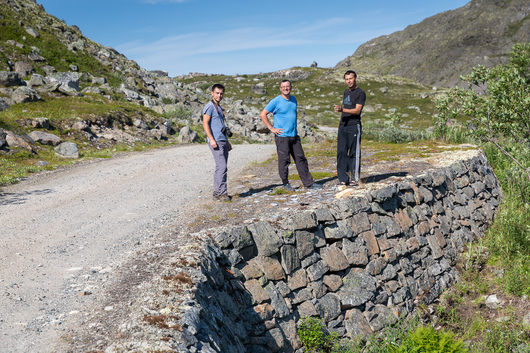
[282, 191]
[65, 108]
[508, 239]
[316, 175]
[12, 171]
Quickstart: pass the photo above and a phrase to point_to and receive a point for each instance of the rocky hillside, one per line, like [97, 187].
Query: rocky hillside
[46, 65]
[439, 49]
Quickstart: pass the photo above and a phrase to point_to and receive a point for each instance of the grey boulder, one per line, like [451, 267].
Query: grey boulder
[25, 95]
[67, 150]
[69, 82]
[45, 138]
[8, 78]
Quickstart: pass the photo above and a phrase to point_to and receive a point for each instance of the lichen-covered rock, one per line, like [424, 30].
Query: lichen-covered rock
[271, 267]
[68, 82]
[67, 150]
[267, 240]
[9, 78]
[24, 95]
[356, 324]
[358, 288]
[334, 258]
[45, 138]
[187, 135]
[290, 260]
[381, 316]
[3, 141]
[305, 243]
[3, 104]
[277, 301]
[329, 307]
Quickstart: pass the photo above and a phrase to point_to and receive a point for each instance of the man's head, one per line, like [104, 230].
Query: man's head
[217, 92]
[350, 77]
[285, 88]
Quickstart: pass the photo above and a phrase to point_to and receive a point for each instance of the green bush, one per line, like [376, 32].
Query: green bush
[496, 104]
[425, 339]
[392, 132]
[179, 113]
[315, 337]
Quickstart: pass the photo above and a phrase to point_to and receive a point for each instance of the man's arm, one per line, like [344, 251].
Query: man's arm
[265, 119]
[354, 111]
[206, 126]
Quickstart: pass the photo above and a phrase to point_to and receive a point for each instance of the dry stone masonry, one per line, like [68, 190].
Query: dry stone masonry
[358, 262]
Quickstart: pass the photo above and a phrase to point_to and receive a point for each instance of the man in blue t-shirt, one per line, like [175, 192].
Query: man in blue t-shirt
[283, 109]
[213, 122]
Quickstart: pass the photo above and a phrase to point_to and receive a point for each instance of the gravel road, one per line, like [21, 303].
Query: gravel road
[60, 227]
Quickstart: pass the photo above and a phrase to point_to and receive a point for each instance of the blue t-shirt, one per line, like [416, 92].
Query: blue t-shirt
[217, 120]
[284, 112]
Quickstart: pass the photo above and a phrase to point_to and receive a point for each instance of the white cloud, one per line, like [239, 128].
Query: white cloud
[195, 47]
[235, 39]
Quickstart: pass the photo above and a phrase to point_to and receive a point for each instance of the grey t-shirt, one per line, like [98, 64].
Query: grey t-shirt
[217, 121]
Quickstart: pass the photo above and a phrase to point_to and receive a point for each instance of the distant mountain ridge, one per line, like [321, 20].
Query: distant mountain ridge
[439, 49]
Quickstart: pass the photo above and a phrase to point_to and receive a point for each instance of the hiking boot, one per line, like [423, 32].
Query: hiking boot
[314, 186]
[288, 187]
[223, 197]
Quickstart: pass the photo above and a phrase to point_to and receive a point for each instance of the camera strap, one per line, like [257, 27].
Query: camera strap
[220, 113]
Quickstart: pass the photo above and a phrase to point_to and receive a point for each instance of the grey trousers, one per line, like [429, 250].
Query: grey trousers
[220, 157]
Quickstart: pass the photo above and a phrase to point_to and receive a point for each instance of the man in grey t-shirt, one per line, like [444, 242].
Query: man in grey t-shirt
[213, 122]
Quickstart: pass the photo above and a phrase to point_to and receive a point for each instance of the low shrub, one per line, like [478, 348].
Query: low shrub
[315, 337]
[425, 339]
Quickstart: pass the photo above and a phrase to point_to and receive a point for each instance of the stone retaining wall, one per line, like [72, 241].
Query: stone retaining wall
[357, 262]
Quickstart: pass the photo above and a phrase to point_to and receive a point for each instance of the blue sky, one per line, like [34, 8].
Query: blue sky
[245, 37]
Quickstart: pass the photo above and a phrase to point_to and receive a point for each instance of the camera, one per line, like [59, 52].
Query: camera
[226, 131]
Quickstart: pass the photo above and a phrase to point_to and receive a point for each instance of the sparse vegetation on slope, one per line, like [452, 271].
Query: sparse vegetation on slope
[439, 49]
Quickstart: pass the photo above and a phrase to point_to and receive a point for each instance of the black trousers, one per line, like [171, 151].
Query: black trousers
[287, 147]
[349, 152]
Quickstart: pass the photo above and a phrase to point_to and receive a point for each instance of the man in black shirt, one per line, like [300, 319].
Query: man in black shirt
[349, 134]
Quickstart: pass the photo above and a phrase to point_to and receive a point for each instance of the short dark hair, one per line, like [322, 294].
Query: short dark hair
[286, 81]
[218, 85]
[350, 72]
